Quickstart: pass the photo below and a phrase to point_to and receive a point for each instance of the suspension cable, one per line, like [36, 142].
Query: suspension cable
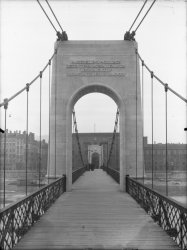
[29, 84]
[54, 15]
[130, 36]
[166, 121]
[49, 119]
[55, 121]
[143, 116]
[26, 146]
[152, 127]
[137, 15]
[47, 16]
[61, 36]
[145, 15]
[160, 81]
[5, 137]
[40, 148]
[77, 136]
[113, 136]
[136, 96]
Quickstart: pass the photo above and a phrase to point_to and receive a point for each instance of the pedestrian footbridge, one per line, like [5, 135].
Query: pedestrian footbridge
[95, 215]
[98, 213]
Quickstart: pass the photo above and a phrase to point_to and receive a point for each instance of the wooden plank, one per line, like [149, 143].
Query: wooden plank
[96, 215]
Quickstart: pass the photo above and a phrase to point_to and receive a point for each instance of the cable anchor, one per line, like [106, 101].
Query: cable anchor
[5, 103]
[129, 36]
[62, 36]
[166, 87]
[27, 87]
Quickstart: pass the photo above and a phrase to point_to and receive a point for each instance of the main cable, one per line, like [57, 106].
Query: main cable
[145, 15]
[160, 81]
[47, 16]
[138, 15]
[29, 84]
[54, 14]
[130, 36]
[60, 36]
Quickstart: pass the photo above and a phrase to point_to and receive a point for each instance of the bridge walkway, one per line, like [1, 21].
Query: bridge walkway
[96, 215]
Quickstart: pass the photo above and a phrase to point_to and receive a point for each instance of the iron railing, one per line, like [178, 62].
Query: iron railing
[17, 219]
[113, 173]
[169, 214]
[77, 173]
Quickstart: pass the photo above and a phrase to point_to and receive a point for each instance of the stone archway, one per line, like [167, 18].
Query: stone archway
[95, 149]
[82, 67]
[104, 89]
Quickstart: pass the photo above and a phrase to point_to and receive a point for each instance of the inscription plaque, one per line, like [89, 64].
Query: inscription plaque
[95, 68]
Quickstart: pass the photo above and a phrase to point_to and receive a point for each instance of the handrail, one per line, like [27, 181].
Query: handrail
[17, 219]
[14, 204]
[168, 199]
[77, 173]
[169, 214]
[115, 174]
[7, 100]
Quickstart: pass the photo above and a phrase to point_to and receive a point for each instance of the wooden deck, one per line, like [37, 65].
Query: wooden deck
[96, 215]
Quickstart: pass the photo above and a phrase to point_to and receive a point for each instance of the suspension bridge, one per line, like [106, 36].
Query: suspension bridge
[80, 207]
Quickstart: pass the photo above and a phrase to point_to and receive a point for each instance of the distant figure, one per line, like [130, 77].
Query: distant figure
[92, 167]
[89, 167]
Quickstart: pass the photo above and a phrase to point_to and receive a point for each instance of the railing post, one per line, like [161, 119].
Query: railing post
[32, 216]
[159, 212]
[12, 219]
[143, 197]
[127, 183]
[64, 182]
[5, 153]
[138, 195]
[181, 224]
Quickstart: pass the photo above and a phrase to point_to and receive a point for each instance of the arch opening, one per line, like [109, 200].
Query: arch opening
[104, 144]
[95, 88]
[95, 116]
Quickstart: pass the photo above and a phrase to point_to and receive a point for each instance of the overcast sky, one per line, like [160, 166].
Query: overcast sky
[27, 42]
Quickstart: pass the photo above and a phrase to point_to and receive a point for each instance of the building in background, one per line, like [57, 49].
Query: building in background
[16, 155]
[176, 156]
[177, 153]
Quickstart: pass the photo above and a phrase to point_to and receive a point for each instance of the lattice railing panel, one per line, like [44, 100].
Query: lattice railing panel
[113, 173]
[17, 219]
[77, 173]
[170, 215]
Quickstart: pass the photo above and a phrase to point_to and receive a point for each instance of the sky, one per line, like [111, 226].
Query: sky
[27, 43]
